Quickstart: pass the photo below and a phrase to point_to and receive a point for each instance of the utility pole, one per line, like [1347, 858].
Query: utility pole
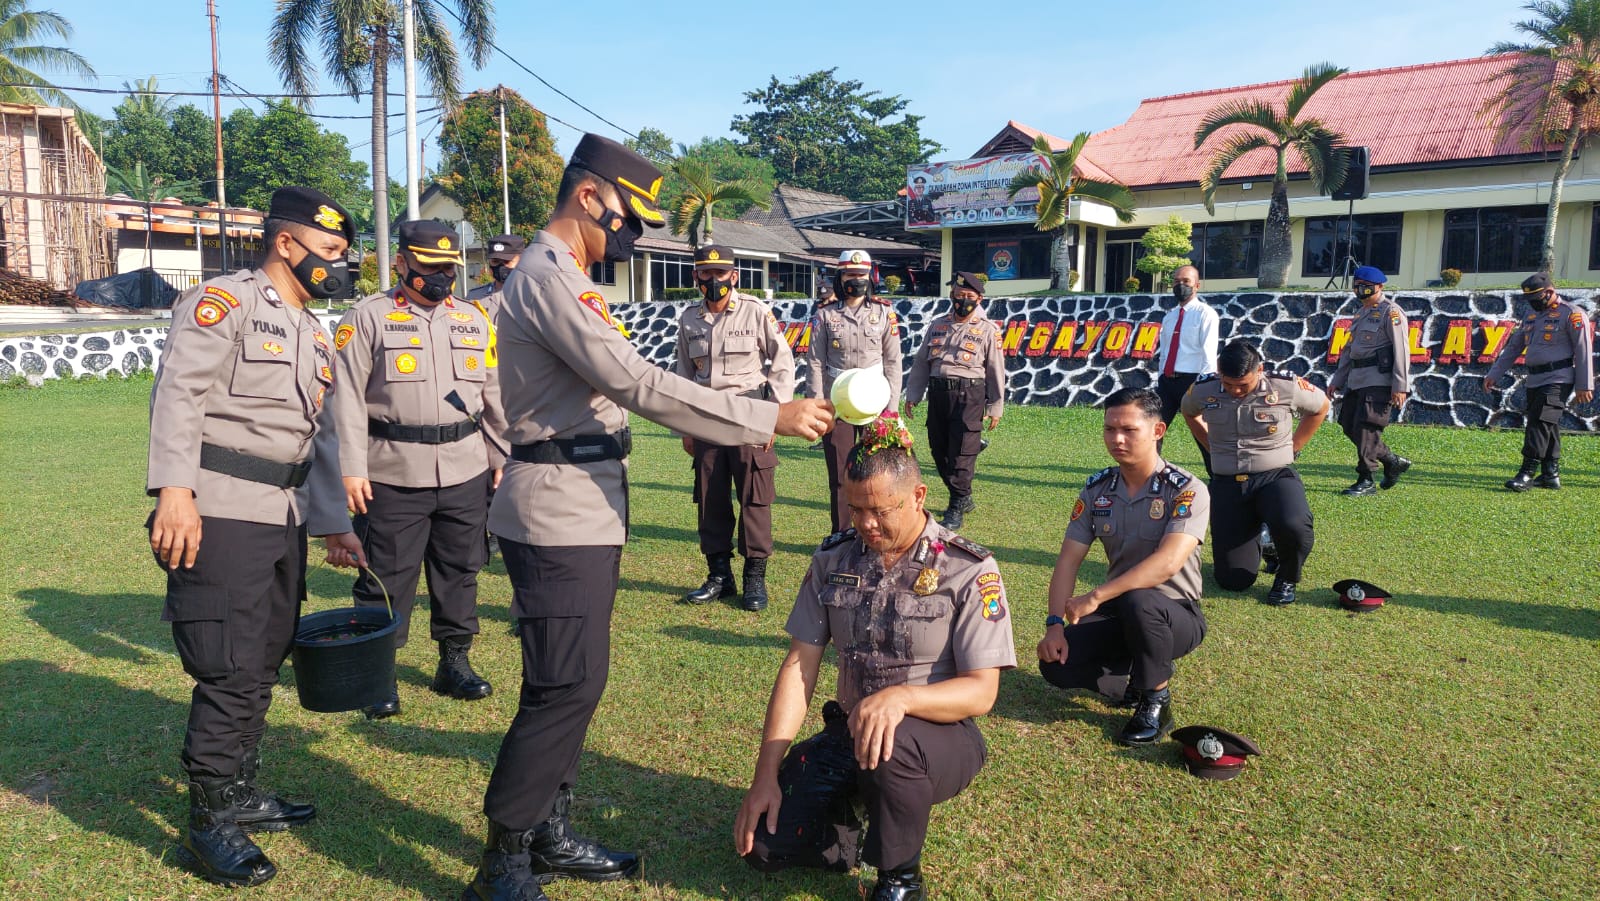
[216, 101]
[413, 162]
[505, 177]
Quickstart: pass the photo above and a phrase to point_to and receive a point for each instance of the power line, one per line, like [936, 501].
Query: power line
[159, 93]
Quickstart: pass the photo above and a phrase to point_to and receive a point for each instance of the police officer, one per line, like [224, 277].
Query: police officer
[504, 253]
[1554, 342]
[918, 617]
[417, 468]
[853, 331]
[963, 371]
[1245, 418]
[732, 342]
[567, 374]
[1188, 346]
[1151, 516]
[1376, 366]
[243, 451]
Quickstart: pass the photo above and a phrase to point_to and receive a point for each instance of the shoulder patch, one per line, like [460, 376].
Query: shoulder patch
[1394, 316]
[1176, 478]
[1099, 477]
[595, 302]
[229, 299]
[970, 546]
[342, 336]
[836, 539]
[1304, 385]
[209, 311]
[1576, 319]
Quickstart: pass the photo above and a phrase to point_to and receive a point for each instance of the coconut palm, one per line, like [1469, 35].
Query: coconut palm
[360, 40]
[1058, 182]
[692, 214]
[1261, 126]
[143, 98]
[1549, 92]
[21, 54]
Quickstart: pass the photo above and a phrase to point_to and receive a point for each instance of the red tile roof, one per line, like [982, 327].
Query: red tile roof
[1407, 115]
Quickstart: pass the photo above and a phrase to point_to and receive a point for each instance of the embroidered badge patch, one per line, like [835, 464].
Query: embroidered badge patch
[992, 597]
[1158, 508]
[273, 347]
[343, 336]
[461, 317]
[326, 373]
[470, 342]
[405, 364]
[595, 302]
[320, 338]
[209, 312]
[472, 362]
[927, 581]
[1103, 502]
[1394, 317]
[1077, 509]
[1576, 319]
[230, 300]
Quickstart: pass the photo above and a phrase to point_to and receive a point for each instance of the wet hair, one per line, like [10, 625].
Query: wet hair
[896, 462]
[1238, 358]
[1146, 400]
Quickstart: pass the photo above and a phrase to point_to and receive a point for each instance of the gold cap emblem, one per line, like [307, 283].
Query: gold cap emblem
[328, 218]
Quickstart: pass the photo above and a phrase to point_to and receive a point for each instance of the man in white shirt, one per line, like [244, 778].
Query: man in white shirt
[1188, 346]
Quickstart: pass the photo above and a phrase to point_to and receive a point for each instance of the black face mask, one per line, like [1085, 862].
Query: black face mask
[1182, 293]
[322, 278]
[1540, 302]
[500, 272]
[621, 234]
[435, 287]
[1366, 292]
[853, 287]
[963, 308]
[714, 289]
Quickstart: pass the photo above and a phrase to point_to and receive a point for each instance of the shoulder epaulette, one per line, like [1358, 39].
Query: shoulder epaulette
[972, 547]
[1175, 476]
[883, 300]
[836, 539]
[1208, 377]
[1099, 477]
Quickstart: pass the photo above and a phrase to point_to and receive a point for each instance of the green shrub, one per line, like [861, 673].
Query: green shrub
[1131, 284]
[791, 295]
[891, 284]
[682, 294]
[1072, 279]
[1449, 277]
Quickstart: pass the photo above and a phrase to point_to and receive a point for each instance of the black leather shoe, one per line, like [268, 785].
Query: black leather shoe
[1523, 480]
[983, 445]
[258, 811]
[455, 676]
[556, 852]
[755, 585]
[1151, 720]
[1362, 488]
[385, 708]
[215, 845]
[503, 870]
[1549, 475]
[1269, 553]
[903, 884]
[1394, 466]
[719, 582]
[1281, 595]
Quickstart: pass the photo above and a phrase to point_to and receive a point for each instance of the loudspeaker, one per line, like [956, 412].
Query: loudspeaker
[1356, 177]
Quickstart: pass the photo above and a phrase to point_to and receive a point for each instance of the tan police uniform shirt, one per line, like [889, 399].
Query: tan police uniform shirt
[738, 350]
[487, 299]
[1379, 332]
[1557, 335]
[244, 371]
[1132, 520]
[401, 360]
[941, 610]
[566, 371]
[1254, 433]
[843, 338]
[961, 350]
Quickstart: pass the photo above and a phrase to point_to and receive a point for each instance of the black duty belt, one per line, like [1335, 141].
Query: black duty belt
[1384, 363]
[762, 393]
[952, 383]
[582, 449]
[421, 434]
[1542, 368]
[253, 469]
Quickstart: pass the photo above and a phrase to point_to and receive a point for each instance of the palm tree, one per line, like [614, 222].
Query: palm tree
[360, 40]
[1549, 91]
[1320, 148]
[20, 54]
[1058, 182]
[141, 185]
[692, 214]
[142, 97]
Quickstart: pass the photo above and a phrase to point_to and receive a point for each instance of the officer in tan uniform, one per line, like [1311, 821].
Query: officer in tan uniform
[504, 252]
[919, 619]
[963, 371]
[1555, 345]
[568, 376]
[1245, 418]
[1122, 636]
[1376, 368]
[417, 467]
[732, 342]
[853, 331]
[243, 454]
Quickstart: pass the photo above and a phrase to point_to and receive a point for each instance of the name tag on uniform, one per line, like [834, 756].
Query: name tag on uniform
[851, 579]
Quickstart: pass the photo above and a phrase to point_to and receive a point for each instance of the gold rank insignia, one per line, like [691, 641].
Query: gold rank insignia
[405, 364]
[472, 362]
[927, 581]
[398, 316]
[461, 317]
[1158, 508]
[273, 347]
[328, 218]
[415, 341]
[471, 342]
[444, 243]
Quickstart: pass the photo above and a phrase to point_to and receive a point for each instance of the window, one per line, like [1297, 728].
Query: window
[670, 270]
[969, 249]
[1494, 239]
[1227, 249]
[603, 273]
[752, 276]
[1594, 240]
[792, 277]
[1373, 241]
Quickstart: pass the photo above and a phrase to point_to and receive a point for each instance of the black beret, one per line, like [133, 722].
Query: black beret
[637, 179]
[429, 241]
[713, 256]
[308, 206]
[506, 246]
[968, 280]
[1537, 282]
[1212, 753]
[1359, 596]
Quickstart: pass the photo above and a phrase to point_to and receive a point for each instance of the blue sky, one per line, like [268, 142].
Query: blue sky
[1062, 66]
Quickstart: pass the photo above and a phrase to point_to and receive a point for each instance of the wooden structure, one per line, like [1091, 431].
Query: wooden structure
[51, 185]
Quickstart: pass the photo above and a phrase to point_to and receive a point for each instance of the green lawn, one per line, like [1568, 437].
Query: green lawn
[1441, 748]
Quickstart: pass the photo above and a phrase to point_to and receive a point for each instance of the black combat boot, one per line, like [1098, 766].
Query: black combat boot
[1394, 466]
[389, 706]
[219, 849]
[1269, 552]
[1523, 480]
[1549, 475]
[455, 676]
[719, 581]
[1362, 488]
[556, 852]
[503, 870]
[1151, 720]
[755, 585]
[960, 505]
[258, 811]
[1282, 593]
[899, 884]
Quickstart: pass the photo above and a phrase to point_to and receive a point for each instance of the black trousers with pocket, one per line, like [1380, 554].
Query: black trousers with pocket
[1363, 415]
[1541, 437]
[751, 471]
[1137, 634]
[955, 431]
[1239, 506]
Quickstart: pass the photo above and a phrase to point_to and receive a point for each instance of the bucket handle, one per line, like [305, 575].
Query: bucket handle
[323, 564]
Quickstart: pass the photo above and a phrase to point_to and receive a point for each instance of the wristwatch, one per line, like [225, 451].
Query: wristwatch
[1053, 620]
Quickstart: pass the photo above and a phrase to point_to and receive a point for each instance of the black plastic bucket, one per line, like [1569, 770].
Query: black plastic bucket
[344, 659]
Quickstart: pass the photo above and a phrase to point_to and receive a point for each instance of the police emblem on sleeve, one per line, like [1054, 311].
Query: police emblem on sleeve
[991, 596]
[342, 336]
[1077, 509]
[1182, 505]
[209, 312]
[595, 302]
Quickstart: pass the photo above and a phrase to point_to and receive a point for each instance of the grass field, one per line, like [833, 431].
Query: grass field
[1441, 748]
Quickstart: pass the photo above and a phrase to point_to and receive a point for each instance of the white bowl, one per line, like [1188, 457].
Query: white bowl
[860, 395]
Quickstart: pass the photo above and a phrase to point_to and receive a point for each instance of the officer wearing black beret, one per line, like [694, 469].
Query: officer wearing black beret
[504, 252]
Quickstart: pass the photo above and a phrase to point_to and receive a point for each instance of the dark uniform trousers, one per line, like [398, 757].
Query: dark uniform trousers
[562, 598]
[233, 618]
[440, 529]
[751, 471]
[1239, 505]
[1136, 635]
[1171, 388]
[931, 763]
[1541, 437]
[836, 452]
[1363, 415]
[955, 430]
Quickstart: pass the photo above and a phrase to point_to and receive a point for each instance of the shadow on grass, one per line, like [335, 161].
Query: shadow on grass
[720, 638]
[782, 500]
[109, 754]
[691, 538]
[125, 627]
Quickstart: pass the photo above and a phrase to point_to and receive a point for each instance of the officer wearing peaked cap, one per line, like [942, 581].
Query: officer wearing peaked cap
[1376, 367]
[504, 252]
[569, 376]
[244, 461]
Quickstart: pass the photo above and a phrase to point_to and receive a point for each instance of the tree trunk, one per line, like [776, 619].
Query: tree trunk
[1060, 258]
[1547, 260]
[380, 154]
[1276, 242]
